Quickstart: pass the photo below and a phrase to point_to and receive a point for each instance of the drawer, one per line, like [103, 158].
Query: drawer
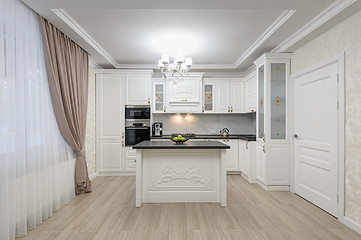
[131, 164]
[130, 153]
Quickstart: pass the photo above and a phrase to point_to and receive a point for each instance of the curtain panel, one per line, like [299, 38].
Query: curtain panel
[36, 164]
[67, 68]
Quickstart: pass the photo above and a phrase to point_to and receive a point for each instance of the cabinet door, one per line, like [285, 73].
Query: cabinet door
[243, 158]
[110, 108]
[110, 155]
[222, 98]
[261, 162]
[208, 97]
[237, 97]
[232, 155]
[251, 94]
[137, 88]
[159, 96]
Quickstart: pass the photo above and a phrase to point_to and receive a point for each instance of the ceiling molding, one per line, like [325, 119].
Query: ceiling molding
[316, 22]
[269, 31]
[93, 64]
[63, 15]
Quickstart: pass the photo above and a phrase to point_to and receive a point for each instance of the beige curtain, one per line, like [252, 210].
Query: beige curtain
[67, 70]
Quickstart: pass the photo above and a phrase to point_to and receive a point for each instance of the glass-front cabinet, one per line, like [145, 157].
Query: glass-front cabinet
[273, 153]
[159, 105]
[208, 96]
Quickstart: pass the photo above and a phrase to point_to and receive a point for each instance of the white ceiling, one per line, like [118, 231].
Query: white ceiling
[220, 35]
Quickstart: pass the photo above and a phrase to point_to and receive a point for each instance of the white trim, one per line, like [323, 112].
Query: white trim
[316, 22]
[94, 175]
[352, 224]
[63, 15]
[340, 60]
[285, 15]
[93, 64]
[273, 188]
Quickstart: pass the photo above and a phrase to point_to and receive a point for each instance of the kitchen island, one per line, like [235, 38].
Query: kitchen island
[194, 171]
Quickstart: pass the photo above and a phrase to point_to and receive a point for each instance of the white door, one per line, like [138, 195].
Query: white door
[222, 97]
[315, 146]
[137, 89]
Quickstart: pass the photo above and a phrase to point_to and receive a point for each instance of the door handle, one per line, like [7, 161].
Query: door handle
[231, 109]
[149, 100]
[264, 148]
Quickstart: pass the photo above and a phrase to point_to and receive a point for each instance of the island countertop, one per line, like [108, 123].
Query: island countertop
[187, 145]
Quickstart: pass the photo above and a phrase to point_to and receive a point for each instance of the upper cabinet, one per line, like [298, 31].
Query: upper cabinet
[138, 88]
[159, 96]
[223, 95]
[251, 92]
[185, 95]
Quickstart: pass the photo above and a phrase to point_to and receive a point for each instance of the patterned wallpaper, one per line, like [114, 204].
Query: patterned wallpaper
[90, 125]
[345, 37]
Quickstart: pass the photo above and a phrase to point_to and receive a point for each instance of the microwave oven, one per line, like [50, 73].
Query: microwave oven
[137, 112]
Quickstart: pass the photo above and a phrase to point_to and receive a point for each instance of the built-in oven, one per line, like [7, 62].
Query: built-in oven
[136, 132]
[137, 112]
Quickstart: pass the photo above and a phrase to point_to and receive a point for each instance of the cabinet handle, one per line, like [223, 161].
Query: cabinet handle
[122, 134]
[225, 140]
[122, 144]
[247, 145]
[264, 138]
[228, 109]
[264, 148]
[148, 100]
[202, 108]
[184, 100]
[252, 110]
[164, 109]
[231, 109]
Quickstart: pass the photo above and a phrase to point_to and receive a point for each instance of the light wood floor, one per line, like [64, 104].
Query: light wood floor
[109, 213]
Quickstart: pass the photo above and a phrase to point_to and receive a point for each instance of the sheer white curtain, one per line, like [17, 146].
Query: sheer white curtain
[36, 165]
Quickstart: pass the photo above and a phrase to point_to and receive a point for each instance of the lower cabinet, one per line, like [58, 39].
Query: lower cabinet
[232, 155]
[109, 155]
[130, 158]
[273, 166]
[247, 160]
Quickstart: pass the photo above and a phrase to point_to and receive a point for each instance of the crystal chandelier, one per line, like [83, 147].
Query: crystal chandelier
[176, 70]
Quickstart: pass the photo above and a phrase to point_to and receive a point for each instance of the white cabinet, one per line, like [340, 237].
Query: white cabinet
[137, 88]
[273, 150]
[247, 160]
[232, 155]
[251, 92]
[159, 96]
[110, 122]
[185, 96]
[229, 95]
[236, 98]
[130, 158]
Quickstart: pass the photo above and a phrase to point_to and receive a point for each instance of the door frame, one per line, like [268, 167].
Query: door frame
[340, 60]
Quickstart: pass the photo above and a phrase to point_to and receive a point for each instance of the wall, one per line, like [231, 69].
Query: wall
[204, 123]
[345, 37]
[90, 125]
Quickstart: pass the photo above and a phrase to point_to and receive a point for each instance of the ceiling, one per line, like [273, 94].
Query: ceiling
[220, 35]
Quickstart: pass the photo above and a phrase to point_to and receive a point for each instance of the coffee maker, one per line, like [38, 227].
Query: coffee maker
[157, 129]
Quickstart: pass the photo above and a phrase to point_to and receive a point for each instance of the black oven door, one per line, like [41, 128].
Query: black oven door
[137, 113]
[135, 135]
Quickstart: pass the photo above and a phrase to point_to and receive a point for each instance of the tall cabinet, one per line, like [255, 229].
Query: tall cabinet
[273, 139]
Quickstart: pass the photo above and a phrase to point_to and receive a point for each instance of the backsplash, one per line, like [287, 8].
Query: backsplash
[207, 123]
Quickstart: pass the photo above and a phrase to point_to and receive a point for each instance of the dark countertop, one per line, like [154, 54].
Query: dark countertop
[186, 145]
[246, 137]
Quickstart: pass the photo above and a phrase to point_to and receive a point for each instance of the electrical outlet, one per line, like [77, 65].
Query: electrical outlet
[212, 130]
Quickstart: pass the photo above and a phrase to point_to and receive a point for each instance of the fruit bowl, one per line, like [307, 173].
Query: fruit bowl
[179, 139]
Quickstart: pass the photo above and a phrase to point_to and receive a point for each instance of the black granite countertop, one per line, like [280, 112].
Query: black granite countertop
[186, 145]
[246, 137]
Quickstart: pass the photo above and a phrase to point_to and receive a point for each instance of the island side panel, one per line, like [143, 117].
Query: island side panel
[139, 178]
[181, 175]
[223, 178]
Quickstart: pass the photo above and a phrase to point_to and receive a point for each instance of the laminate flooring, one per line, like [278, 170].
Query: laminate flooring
[109, 212]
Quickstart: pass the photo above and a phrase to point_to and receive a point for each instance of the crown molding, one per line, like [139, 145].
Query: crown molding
[63, 15]
[285, 15]
[94, 64]
[249, 71]
[316, 22]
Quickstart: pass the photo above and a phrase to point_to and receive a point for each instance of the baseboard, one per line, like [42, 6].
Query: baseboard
[117, 174]
[233, 172]
[352, 224]
[274, 188]
[94, 175]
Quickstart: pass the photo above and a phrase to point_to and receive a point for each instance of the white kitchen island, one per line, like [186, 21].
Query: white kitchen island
[189, 172]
